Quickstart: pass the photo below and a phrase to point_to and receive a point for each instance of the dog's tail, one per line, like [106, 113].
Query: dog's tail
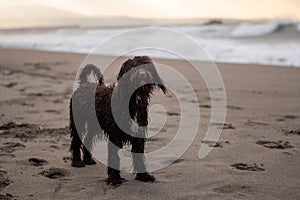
[89, 69]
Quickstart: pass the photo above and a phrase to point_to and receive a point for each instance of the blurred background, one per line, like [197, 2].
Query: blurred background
[41, 13]
[239, 31]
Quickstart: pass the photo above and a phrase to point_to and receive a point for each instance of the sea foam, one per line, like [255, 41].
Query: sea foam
[223, 43]
[250, 29]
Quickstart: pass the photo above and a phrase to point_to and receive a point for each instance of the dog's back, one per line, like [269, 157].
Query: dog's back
[103, 108]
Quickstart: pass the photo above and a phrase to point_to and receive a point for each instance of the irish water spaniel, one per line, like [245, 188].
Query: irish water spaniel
[136, 81]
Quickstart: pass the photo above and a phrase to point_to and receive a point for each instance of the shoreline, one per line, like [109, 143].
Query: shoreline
[156, 58]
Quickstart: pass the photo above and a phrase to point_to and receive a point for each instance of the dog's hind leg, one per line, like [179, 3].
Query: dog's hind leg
[76, 142]
[113, 168]
[88, 142]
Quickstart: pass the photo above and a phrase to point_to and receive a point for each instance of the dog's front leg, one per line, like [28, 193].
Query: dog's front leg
[138, 147]
[113, 169]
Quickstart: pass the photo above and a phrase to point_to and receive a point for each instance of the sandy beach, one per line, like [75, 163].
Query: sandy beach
[256, 157]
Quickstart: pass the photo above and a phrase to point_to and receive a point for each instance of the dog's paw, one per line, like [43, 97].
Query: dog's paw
[77, 164]
[89, 161]
[115, 181]
[145, 177]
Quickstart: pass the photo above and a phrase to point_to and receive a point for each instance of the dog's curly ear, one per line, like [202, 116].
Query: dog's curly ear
[158, 80]
[126, 66]
[160, 84]
[163, 88]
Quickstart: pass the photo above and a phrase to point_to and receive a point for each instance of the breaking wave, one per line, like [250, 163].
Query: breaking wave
[251, 29]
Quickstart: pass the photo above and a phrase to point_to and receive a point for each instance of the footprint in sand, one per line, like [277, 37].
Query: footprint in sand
[215, 144]
[2, 173]
[168, 160]
[37, 162]
[38, 65]
[7, 196]
[287, 117]
[227, 126]
[290, 117]
[52, 111]
[232, 107]
[248, 166]
[10, 85]
[275, 144]
[54, 147]
[3, 180]
[227, 189]
[11, 125]
[32, 111]
[205, 106]
[189, 197]
[58, 101]
[55, 173]
[44, 65]
[173, 114]
[4, 156]
[222, 126]
[253, 123]
[10, 147]
[293, 132]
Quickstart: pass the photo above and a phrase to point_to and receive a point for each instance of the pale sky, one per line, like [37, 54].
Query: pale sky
[11, 10]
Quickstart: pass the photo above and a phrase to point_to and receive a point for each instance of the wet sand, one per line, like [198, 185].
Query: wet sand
[256, 157]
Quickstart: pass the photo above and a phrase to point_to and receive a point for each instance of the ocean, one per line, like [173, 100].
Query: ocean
[267, 42]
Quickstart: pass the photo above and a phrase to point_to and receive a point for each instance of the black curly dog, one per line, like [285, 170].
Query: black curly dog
[137, 76]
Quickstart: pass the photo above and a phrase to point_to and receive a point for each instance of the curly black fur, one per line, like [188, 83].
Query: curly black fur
[89, 97]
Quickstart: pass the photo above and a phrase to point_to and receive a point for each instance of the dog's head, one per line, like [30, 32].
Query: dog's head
[140, 73]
